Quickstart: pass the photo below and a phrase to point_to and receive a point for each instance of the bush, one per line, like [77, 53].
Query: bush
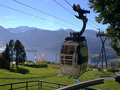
[117, 79]
[92, 66]
[118, 66]
[112, 69]
[30, 61]
[38, 65]
[47, 62]
[20, 70]
[41, 65]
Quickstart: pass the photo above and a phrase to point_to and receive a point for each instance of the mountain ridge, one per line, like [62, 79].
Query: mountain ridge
[50, 40]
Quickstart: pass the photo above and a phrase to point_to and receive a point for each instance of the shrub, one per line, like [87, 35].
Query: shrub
[20, 70]
[30, 61]
[47, 62]
[118, 66]
[92, 66]
[112, 69]
[38, 65]
[117, 79]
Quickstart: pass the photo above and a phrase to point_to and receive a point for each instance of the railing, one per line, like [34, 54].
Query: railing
[57, 86]
[39, 84]
[84, 85]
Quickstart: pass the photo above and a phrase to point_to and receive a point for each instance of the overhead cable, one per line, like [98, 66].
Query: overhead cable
[45, 13]
[68, 3]
[73, 14]
[91, 25]
[94, 23]
[32, 15]
[63, 7]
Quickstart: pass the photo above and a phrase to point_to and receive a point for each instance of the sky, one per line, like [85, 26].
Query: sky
[11, 18]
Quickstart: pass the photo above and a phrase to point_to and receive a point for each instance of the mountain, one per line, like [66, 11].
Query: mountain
[4, 35]
[20, 29]
[50, 40]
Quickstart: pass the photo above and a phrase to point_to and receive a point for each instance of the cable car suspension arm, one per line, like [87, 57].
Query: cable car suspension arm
[81, 16]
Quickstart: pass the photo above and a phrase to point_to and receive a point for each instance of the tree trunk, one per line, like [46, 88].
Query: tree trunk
[16, 64]
[16, 60]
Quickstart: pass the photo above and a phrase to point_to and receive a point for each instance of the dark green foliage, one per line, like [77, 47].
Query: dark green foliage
[109, 13]
[47, 62]
[29, 61]
[112, 69]
[20, 70]
[3, 63]
[92, 66]
[117, 79]
[38, 65]
[11, 48]
[20, 52]
[118, 66]
[5, 58]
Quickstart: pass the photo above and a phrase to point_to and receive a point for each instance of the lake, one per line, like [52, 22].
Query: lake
[49, 55]
[2, 49]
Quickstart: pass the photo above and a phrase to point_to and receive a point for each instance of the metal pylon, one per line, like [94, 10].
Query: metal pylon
[102, 53]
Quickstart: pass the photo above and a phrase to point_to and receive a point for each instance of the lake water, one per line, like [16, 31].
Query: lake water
[49, 56]
[2, 49]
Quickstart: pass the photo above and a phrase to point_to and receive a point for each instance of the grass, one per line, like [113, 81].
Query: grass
[95, 55]
[108, 84]
[36, 72]
[33, 72]
[115, 60]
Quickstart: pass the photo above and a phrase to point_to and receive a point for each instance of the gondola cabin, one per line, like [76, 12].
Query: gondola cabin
[74, 57]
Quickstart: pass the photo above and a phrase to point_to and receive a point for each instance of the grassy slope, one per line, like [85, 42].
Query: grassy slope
[108, 84]
[115, 60]
[36, 72]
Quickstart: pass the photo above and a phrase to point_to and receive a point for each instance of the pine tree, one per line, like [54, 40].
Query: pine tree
[19, 52]
[11, 48]
[6, 58]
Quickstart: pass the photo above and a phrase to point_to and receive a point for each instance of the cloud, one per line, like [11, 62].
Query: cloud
[9, 17]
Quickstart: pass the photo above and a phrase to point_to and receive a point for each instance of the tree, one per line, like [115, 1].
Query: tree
[11, 48]
[109, 13]
[19, 52]
[6, 58]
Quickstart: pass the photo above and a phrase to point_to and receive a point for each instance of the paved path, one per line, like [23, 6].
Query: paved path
[117, 73]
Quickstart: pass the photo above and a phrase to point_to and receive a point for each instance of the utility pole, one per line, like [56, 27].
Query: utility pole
[102, 53]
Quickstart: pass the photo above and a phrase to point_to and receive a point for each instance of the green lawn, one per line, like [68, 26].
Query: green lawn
[36, 72]
[108, 84]
[115, 60]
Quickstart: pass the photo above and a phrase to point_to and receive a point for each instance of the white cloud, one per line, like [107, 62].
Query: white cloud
[9, 17]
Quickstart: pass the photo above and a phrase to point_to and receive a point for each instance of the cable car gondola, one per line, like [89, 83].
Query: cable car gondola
[74, 50]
